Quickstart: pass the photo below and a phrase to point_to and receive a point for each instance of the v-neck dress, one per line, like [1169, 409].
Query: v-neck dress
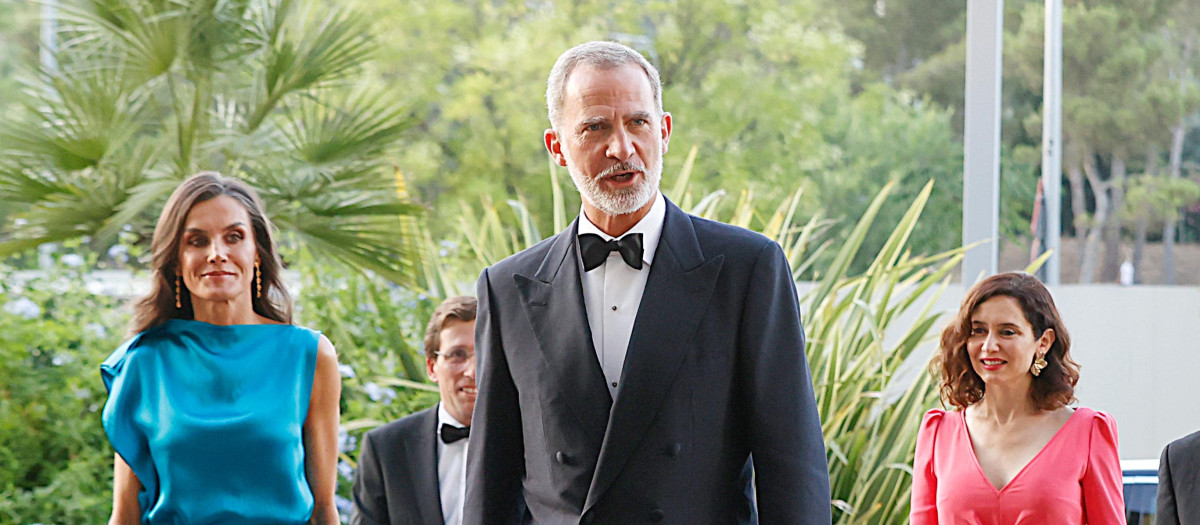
[1074, 480]
[210, 418]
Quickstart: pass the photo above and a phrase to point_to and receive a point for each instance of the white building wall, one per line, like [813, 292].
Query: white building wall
[1140, 351]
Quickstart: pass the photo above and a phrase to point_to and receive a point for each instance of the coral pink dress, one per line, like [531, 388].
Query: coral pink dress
[1074, 480]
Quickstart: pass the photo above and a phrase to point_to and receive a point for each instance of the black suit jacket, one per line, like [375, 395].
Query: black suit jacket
[1179, 482]
[715, 371]
[397, 479]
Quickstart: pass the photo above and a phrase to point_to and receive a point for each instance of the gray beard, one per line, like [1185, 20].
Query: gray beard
[620, 202]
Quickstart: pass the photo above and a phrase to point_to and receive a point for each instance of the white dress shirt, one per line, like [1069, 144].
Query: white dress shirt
[612, 292]
[452, 470]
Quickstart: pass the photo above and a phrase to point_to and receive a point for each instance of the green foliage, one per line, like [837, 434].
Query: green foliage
[147, 92]
[55, 462]
[765, 90]
[377, 329]
[1157, 199]
[868, 408]
[892, 139]
[897, 36]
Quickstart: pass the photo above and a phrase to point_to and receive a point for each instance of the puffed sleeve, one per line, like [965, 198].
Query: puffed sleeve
[123, 379]
[1103, 500]
[924, 485]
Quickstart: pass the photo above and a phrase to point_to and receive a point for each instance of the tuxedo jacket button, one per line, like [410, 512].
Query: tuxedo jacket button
[657, 515]
[673, 449]
[562, 457]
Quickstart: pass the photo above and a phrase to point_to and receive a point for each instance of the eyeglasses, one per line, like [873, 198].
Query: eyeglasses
[457, 357]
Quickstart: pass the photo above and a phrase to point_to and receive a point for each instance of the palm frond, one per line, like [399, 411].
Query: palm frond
[58, 217]
[330, 49]
[361, 231]
[144, 35]
[75, 119]
[344, 126]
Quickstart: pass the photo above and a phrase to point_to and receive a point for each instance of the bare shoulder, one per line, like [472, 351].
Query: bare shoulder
[325, 350]
[327, 376]
[1060, 416]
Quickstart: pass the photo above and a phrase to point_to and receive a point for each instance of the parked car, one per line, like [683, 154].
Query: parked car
[1140, 477]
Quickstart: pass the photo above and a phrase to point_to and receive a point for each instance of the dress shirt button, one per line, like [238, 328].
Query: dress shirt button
[673, 449]
[657, 515]
[614, 307]
[614, 384]
[562, 457]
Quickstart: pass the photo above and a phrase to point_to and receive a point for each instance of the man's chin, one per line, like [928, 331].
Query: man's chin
[623, 203]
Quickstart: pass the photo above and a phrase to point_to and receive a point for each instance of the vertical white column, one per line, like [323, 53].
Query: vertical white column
[981, 140]
[1052, 140]
[49, 38]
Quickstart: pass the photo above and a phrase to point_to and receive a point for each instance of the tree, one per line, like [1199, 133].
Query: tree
[18, 40]
[1155, 200]
[920, 47]
[147, 92]
[1178, 97]
[1106, 56]
[898, 36]
[766, 90]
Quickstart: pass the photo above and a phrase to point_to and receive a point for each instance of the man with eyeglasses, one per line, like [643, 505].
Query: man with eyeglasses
[413, 471]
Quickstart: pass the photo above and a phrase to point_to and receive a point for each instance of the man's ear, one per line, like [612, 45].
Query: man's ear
[429, 369]
[554, 146]
[665, 124]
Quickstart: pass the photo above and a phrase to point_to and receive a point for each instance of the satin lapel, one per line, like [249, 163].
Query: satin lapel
[553, 301]
[422, 466]
[677, 293]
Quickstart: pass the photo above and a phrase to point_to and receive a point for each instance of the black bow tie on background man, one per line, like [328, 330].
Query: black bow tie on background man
[594, 250]
[451, 433]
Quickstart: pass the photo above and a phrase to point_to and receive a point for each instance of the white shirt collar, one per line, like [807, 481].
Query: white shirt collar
[650, 227]
[444, 418]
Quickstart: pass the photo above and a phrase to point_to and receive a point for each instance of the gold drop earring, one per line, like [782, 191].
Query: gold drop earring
[258, 280]
[178, 303]
[1038, 365]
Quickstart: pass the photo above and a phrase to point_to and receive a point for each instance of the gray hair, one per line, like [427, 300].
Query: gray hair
[601, 55]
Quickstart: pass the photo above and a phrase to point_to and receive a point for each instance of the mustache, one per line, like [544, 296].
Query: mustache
[621, 167]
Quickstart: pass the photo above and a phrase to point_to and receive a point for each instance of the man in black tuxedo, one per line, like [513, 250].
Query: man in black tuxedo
[1179, 482]
[412, 471]
[632, 365]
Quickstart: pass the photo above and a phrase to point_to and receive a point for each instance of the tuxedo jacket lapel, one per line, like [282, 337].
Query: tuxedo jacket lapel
[677, 293]
[422, 465]
[553, 301]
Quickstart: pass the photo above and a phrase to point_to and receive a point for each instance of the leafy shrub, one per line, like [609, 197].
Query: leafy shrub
[377, 328]
[55, 461]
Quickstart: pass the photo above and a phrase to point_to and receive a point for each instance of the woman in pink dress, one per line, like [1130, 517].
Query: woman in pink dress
[1011, 451]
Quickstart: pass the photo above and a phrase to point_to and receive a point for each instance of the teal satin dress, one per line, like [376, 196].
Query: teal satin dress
[210, 419]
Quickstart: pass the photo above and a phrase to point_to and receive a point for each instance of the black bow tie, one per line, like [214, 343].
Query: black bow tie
[595, 250]
[451, 433]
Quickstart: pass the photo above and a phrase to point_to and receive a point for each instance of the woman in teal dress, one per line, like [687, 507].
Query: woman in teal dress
[220, 410]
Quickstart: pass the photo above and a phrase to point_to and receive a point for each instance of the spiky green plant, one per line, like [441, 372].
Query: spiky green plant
[147, 92]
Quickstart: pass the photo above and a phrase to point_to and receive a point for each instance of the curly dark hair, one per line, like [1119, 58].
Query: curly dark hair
[960, 386]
